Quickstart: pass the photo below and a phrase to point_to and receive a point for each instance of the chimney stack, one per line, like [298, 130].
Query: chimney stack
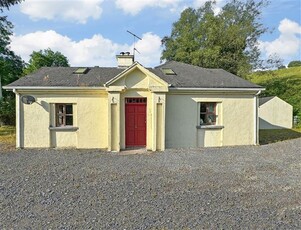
[124, 59]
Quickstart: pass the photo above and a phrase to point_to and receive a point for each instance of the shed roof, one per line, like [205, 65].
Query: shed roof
[186, 76]
[263, 100]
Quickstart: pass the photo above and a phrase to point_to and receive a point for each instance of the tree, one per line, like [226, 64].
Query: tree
[226, 40]
[294, 64]
[44, 58]
[10, 69]
[11, 66]
[273, 62]
[8, 3]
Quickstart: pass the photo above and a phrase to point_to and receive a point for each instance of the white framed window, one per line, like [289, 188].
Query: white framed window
[208, 113]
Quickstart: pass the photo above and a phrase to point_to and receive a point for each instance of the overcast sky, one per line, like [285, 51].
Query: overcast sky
[92, 32]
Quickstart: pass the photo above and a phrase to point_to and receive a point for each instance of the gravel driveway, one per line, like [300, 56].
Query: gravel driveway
[236, 187]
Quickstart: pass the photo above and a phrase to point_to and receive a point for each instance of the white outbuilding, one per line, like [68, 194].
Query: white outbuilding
[275, 113]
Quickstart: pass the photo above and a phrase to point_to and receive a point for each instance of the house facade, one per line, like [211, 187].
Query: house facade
[275, 113]
[174, 105]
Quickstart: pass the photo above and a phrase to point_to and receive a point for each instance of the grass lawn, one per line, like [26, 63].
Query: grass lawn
[7, 137]
[268, 136]
[263, 76]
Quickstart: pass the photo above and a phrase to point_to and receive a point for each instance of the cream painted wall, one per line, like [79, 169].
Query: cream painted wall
[64, 139]
[239, 120]
[235, 113]
[90, 116]
[181, 121]
[275, 114]
[209, 137]
[137, 79]
[35, 125]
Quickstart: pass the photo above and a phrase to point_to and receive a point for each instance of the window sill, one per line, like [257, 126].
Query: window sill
[65, 128]
[210, 127]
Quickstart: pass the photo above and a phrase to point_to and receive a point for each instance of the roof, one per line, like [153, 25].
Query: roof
[186, 76]
[65, 77]
[190, 76]
[263, 100]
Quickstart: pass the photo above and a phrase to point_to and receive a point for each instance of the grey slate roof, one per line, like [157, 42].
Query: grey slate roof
[187, 76]
[263, 100]
[190, 76]
[64, 76]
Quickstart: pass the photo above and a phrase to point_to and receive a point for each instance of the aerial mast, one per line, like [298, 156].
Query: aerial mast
[134, 36]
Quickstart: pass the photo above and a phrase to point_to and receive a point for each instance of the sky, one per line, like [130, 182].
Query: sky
[92, 32]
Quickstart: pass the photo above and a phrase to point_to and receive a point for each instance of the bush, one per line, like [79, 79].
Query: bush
[294, 64]
[8, 111]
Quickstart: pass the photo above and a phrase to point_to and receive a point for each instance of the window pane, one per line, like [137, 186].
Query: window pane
[69, 120]
[60, 121]
[68, 109]
[203, 108]
[60, 108]
[202, 119]
[211, 108]
[211, 119]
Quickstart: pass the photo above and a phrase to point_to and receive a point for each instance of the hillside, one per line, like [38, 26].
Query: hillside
[284, 83]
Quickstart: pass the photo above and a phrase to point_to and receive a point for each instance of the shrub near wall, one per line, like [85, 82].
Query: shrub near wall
[7, 111]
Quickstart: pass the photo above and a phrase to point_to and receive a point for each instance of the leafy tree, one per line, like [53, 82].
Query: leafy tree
[294, 64]
[273, 62]
[43, 58]
[226, 40]
[8, 110]
[8, 3]
[11, 66]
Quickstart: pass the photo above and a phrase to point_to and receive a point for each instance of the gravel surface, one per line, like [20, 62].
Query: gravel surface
[215, 188]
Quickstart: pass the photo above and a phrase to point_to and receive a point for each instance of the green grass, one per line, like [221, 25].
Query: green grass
[284, 83]
[8, 135]
[268, 136]
[264, 76]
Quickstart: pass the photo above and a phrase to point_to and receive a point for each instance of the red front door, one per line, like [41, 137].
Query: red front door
[135, 122]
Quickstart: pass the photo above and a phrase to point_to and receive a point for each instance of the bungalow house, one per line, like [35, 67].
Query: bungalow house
[275, 113]
[170, 106]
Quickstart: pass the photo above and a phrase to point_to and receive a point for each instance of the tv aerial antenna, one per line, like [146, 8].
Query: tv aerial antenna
[134, 36]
